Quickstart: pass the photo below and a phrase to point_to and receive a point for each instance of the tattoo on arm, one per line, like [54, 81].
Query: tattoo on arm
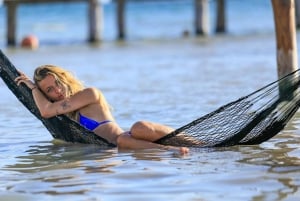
[64, 105]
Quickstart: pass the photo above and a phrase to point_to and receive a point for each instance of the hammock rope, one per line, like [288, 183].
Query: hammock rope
[252, 119]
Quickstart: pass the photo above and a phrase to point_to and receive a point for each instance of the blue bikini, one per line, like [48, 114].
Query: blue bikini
[90, 123]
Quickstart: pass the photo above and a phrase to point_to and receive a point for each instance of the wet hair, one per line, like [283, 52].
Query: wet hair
[63, 78]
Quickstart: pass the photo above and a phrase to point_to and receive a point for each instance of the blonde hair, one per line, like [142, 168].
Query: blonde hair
[63, 77]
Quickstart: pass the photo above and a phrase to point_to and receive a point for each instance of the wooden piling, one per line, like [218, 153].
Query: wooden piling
[11, 22]
[94, 17]
[221, 17]
[95, 27]
[201, 17]
[284, 17]
[121, 18]
[297, 13]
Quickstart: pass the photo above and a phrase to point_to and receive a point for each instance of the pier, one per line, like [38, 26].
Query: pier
[95, 17]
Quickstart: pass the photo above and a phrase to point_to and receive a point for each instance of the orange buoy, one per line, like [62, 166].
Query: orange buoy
[30, 41]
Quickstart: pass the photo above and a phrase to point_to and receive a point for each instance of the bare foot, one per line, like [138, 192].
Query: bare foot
[181, 150]
[184, 150]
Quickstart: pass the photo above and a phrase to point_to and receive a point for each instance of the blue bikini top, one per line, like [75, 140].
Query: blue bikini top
[90, 123]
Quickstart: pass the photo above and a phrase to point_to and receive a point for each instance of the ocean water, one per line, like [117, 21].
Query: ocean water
[163, 19]
[156, 74]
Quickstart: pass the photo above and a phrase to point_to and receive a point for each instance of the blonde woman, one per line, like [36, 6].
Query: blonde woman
[56, 91]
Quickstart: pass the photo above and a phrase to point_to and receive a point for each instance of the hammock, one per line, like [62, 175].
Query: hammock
[61, 127]
[249, 120]
[252, 119]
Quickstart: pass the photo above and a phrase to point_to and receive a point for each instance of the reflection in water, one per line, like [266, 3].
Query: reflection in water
[264, 172]
[56, 156]
[58, 168]
[280, 165]
[75, 169]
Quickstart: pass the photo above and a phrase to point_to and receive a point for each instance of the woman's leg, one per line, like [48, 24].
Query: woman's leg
[109, 131]
[149, 131]
[126, 141]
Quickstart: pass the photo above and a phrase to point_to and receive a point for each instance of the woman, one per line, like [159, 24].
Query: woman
[56, 91]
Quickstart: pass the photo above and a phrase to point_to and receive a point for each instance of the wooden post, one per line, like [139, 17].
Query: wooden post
[95, 26]
[94, 13]
[201, 17]
[11, 23]
[297, 13]
[284, 16]
[221, 17]
[121, 18]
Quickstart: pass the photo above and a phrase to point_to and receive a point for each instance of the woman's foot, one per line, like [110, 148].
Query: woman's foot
[181, 150]
[184, 150]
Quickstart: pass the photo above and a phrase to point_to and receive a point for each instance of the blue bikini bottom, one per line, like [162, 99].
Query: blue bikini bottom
[90, 123]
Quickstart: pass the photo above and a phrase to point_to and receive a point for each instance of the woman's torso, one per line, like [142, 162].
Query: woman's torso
[100, 112]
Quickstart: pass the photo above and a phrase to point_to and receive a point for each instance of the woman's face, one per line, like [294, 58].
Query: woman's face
[52, 89]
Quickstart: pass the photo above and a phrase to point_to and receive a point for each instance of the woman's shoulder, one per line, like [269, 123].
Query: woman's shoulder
[95, 95]
[93, 91]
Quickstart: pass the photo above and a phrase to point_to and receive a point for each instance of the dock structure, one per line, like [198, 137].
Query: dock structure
[201, 17]
[94, 16]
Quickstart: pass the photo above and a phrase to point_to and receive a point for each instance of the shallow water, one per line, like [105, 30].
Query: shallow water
[172, 82]
[166, 79]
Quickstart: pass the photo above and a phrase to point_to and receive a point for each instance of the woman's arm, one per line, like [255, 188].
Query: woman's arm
[81, 99]
[49, 109]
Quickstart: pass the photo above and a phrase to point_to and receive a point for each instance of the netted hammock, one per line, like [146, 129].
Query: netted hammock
[249, 120]
[252, 119]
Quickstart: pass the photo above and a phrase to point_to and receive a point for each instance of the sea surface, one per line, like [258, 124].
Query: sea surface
[155, 74]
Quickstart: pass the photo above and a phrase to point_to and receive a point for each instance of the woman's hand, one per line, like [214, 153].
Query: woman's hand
[22, 78]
